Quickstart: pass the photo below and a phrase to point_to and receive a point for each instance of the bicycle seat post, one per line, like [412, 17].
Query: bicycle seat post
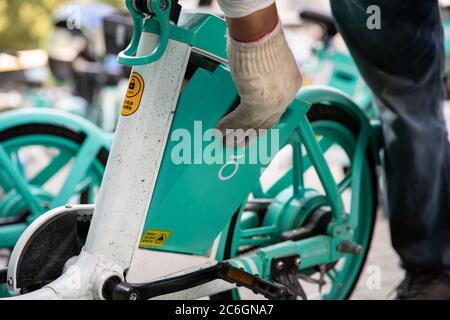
[140, 139]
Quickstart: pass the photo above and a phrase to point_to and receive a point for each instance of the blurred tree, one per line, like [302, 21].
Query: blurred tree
[24, 24]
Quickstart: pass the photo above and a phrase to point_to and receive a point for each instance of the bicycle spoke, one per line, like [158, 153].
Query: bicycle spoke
[297, 169]
[286, 180]
[5, 182]
[51, 169]
[345, 183]
[21, 184]
[332, 275]
[83, 161]
[83, 185]
[16, 160]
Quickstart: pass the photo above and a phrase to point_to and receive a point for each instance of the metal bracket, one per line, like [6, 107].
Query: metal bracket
[284, 271]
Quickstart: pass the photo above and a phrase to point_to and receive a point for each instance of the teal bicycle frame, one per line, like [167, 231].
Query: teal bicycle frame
[206, 33]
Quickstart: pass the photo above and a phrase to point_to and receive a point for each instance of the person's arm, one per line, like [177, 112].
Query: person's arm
[254, 26]
[262, 65]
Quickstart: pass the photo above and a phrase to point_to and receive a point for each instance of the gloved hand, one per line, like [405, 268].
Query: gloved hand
[267, 79]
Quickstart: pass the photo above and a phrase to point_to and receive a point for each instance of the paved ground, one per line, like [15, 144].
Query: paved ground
[381, 273]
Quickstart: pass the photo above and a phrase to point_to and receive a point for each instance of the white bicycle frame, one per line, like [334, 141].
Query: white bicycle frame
[112, 244]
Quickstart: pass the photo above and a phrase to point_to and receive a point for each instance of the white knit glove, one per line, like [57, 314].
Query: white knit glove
[267, 79]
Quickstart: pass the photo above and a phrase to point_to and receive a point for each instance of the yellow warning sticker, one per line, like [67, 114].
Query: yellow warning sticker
[134, 94]
[154, 238]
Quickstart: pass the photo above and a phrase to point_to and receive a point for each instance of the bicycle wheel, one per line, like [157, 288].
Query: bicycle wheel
[337, 132]
[44, 154]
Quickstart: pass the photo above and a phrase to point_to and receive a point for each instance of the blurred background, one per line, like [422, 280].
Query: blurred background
[62, 54]
[28, 24]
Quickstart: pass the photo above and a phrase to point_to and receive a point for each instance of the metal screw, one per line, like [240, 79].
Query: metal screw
[338, 230]
[133, 296]
[280, 265]
[10, 281]
[347, 246]
[349, 228]
[68, 206]
[163, 4]
[298, 261]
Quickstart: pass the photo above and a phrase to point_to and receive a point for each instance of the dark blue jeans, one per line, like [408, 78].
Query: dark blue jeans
[403, 63]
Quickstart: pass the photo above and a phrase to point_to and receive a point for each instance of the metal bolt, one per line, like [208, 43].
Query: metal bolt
[133, 296]
[280, 265]
[163, 4]
[68, 206]
[349, 228]
[347, 246]
[338, 230]
[298, 261]
[10, 281]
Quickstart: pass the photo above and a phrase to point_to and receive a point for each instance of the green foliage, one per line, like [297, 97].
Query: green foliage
[25, 24]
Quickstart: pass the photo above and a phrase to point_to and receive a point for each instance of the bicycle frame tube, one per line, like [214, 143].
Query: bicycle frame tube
[22, 186]
[316, 155]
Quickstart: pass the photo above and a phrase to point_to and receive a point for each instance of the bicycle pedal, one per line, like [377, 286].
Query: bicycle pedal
[269, 289]
[284, 271]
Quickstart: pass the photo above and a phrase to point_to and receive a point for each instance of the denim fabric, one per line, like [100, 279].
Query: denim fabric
[403, 63]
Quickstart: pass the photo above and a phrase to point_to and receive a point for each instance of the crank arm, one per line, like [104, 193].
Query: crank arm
[222, 270]
[269, 289]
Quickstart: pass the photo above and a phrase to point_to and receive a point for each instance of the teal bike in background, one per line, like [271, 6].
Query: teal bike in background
[87, 80]
[72, 155]
[331, 64]
[47, 158]
[51, 150]
[49, 153]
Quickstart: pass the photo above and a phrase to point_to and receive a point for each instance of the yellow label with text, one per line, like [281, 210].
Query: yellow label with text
[154, 238]
[134, 95]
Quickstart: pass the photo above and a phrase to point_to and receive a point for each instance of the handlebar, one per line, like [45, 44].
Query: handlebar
[161, 11]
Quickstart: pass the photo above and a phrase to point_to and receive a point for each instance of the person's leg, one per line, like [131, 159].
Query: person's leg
[403, 63]
[262, 65]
